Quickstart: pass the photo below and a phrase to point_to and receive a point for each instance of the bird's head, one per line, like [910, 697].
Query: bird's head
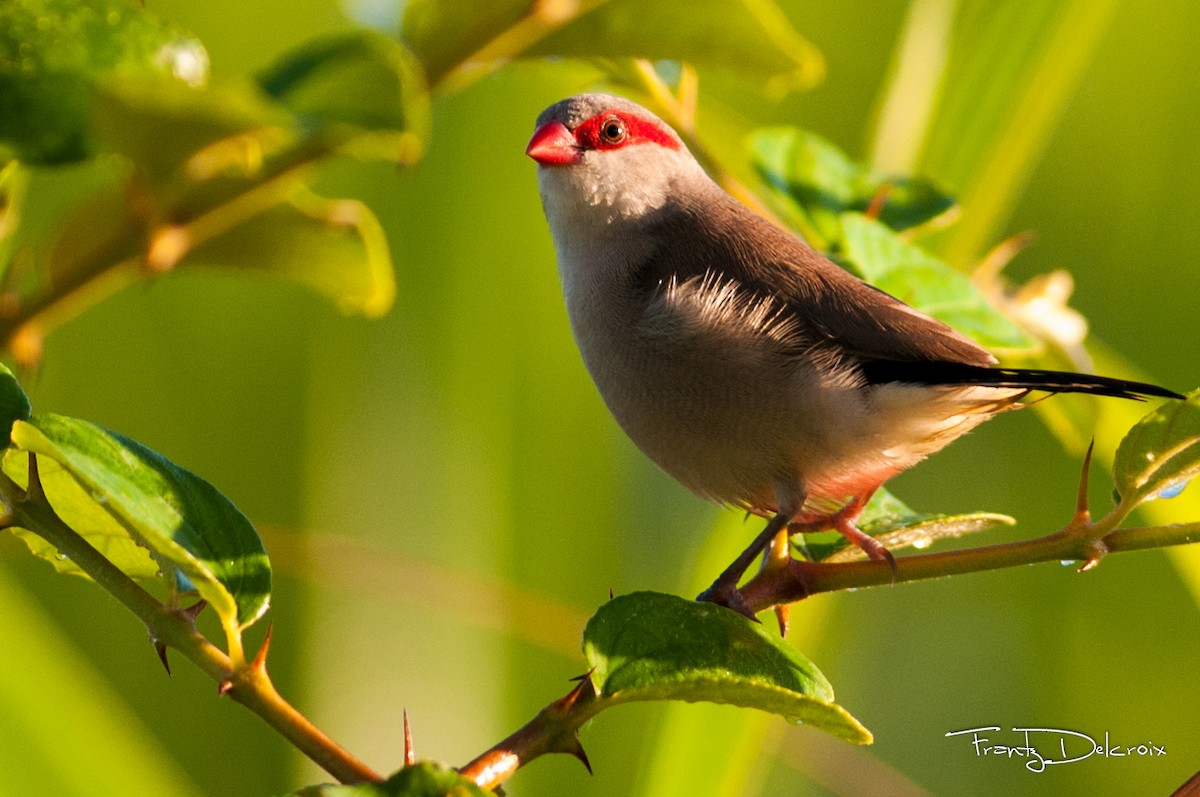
[607, 158]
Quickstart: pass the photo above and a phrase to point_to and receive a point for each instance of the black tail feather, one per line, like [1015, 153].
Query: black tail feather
[947, 373]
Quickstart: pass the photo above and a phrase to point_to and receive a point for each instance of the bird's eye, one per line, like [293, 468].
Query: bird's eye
[613, 130]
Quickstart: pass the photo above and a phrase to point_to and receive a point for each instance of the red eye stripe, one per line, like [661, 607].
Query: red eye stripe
[637, 131]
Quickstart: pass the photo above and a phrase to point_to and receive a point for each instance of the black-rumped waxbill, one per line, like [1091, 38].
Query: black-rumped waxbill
[739, 359]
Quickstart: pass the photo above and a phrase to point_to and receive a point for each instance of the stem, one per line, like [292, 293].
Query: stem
[554, 730]
[122, 259]
[248, 684]
[801, 579]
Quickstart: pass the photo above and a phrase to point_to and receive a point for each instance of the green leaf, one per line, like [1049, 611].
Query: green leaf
[185, 524]
[916, 277]
[892, 522]
[14, 404]
[161, 126]
[335, 247]
[443, 33]
[388, 96]
[78, 509]
[54, 52]
[752, 37]
[1160, 454]
[649, 646]
[816, 179]
[423, 779]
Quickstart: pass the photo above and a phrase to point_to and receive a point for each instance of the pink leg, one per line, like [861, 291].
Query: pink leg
[845, 522]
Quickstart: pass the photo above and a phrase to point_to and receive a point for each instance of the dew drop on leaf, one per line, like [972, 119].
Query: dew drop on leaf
[1171, 490]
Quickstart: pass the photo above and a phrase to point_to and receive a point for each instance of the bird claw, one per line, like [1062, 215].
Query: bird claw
[729, 596]
[891, 560]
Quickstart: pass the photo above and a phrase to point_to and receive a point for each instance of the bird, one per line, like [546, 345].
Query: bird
[739, 359]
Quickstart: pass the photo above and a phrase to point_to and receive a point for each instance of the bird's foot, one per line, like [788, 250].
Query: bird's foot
[875, 550]
[725, 593]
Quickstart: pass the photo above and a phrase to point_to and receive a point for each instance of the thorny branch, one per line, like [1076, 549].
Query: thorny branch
[247, 682]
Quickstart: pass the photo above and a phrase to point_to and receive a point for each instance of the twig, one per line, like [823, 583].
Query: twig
[248, 685]
[554, 730]
[125, 256]
[804, 579]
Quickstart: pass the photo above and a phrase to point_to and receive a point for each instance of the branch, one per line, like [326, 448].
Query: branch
[248, 684]
[554, 730]
[799, 580]
[130, 253]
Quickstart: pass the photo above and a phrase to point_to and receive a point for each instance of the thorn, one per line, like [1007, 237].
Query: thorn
[225, 687]
[610, 593]
[410, 757]
[576, 749]
[582, 682]
[35, 491]
[192, 612]
[777, 557]
[161, 649]
[260, 658]
[1083, 515]
[783, 615]
[586, 675]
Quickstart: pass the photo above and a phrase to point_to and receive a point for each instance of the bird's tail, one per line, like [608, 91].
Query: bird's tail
[943, 373]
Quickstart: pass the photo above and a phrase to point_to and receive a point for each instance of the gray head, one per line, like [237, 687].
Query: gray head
[575, 111]
[603, 158]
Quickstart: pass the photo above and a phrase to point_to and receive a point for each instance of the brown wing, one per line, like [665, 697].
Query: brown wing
[827, 303]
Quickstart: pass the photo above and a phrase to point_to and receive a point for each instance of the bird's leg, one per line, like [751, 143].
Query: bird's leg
[724, 591]
[845, 522]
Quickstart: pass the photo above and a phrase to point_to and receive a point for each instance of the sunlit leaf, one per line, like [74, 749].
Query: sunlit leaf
[423, 779]
[54, 52]
[820, 181]
[753, 37]
[360, 79]
[1160, 454]
[916, 277]
[184, 523]
[892, 522]
[335, 247]
[649, 646]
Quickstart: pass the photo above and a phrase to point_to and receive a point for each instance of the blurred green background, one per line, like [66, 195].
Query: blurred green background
[445, 499]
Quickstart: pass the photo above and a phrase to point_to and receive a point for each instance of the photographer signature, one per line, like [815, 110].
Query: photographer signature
[1044, 747]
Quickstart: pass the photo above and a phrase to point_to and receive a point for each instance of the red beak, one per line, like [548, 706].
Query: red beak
[553, 145]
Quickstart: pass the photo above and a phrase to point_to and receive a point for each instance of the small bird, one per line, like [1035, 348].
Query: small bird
[739, 359]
